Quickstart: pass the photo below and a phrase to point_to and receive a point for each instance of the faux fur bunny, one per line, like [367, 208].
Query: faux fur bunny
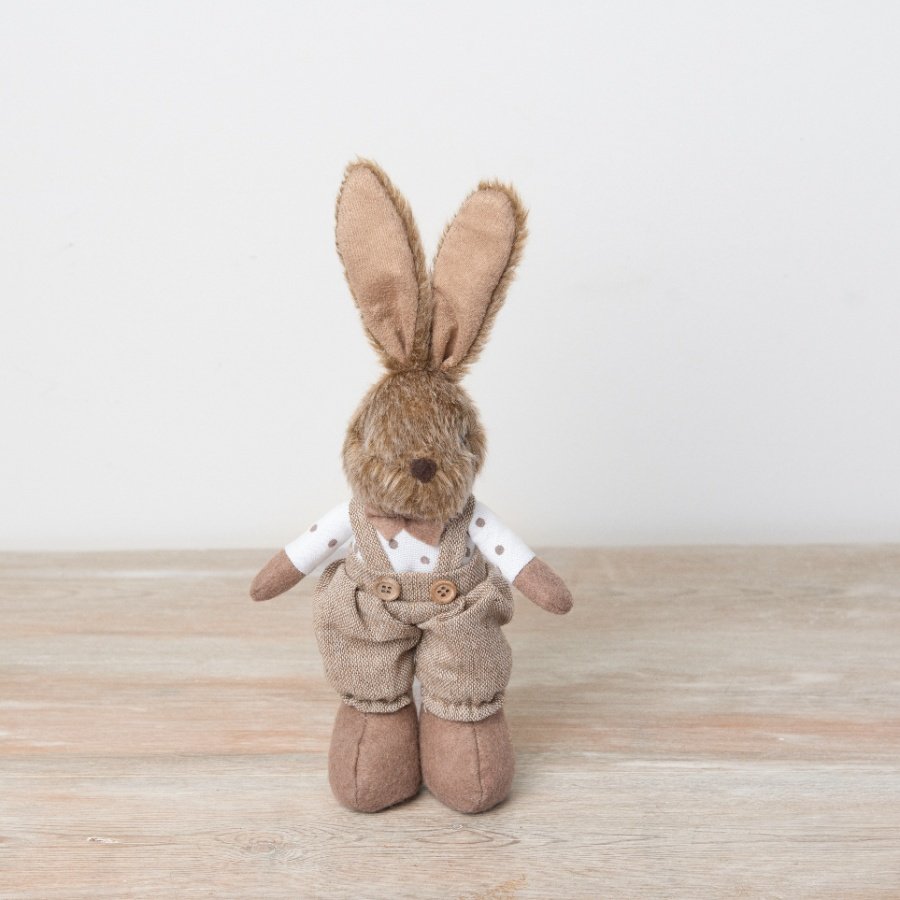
[423, 588]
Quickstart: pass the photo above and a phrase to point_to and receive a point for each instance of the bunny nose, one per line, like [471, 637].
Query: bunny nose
[423, 469]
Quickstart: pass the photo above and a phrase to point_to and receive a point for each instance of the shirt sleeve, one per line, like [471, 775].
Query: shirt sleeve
[498, 544]
[322, 539]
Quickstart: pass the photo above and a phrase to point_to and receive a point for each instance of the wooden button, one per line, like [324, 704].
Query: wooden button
[443, 591]
[386, 589]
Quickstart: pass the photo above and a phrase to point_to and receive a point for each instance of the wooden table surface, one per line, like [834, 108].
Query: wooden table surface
[708, 722]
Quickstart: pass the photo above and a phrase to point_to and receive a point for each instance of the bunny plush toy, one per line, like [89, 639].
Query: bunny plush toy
[423, 587]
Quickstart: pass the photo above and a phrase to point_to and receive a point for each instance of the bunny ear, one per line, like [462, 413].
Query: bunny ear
[379, 246]
[473, 268]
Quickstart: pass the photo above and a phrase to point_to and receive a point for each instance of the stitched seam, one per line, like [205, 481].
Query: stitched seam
[478, 765]
[421, 325]
[356, 761]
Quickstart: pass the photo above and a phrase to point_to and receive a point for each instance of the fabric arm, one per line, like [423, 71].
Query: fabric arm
[499, 545]
[322, 539]
[518, 563]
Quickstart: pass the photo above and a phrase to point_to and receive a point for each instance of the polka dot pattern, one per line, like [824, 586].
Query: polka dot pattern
[502, 547]
[407, 553]
[320, 539]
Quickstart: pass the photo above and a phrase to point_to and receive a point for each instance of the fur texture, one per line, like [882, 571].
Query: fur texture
[475, 307]
[418, 413]
[406, 417]
[419, 325]
[412, 450]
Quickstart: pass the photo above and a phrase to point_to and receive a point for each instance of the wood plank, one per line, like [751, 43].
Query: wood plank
[708, 722]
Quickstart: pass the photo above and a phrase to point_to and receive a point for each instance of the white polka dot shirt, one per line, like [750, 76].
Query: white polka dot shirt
[330, 534]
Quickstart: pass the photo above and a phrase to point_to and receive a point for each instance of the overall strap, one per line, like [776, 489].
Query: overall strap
[453, 540]
[367, 542]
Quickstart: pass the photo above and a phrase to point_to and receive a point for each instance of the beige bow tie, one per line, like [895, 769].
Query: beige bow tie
[428, 531]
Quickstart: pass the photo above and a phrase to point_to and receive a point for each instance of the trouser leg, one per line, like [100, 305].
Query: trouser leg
[368, 655]
[463, 660]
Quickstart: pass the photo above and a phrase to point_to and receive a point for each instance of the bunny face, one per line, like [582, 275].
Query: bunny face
[415, 444]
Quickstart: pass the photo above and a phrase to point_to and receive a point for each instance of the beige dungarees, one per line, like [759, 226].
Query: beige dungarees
[376, 628]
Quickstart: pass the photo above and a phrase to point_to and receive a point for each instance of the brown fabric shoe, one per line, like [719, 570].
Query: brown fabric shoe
[374, 758]
[467, 765]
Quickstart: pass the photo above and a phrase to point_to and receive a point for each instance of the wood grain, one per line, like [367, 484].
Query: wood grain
[707, 722]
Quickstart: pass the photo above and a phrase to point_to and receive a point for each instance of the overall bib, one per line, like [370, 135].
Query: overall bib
[376, 628]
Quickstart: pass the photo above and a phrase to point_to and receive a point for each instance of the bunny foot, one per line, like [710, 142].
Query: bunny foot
[468, 766]
[374, 758]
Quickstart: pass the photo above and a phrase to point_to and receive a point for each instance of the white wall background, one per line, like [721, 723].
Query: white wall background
[703, 344]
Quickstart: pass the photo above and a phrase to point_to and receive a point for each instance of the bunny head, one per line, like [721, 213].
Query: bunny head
[415, 443]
